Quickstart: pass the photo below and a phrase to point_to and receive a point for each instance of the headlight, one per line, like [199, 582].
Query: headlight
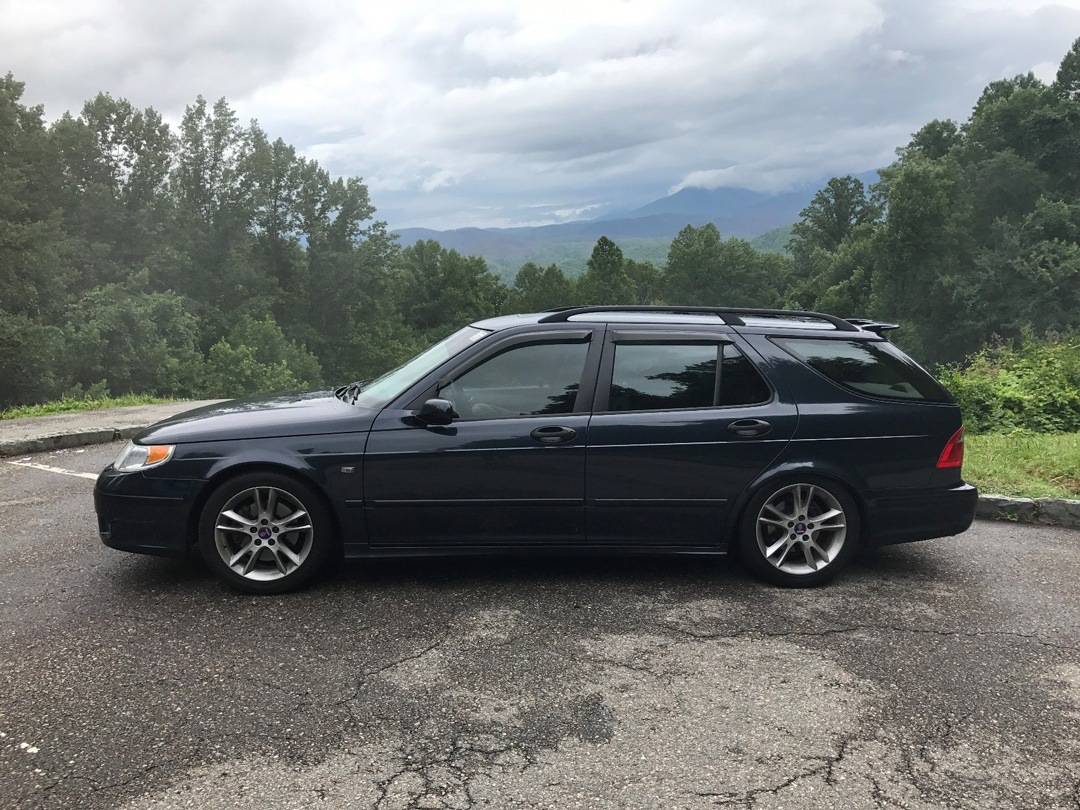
[140, 457]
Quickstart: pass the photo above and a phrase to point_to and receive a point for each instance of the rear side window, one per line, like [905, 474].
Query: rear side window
[669, 376]
[869, 367]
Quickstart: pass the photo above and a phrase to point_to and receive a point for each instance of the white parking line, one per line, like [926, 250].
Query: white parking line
[47, 468]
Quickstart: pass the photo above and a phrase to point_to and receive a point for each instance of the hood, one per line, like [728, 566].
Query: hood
[306, 413]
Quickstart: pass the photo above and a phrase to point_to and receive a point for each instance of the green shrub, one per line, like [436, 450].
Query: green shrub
[31, 360]
[1031, 385]
[257, 358]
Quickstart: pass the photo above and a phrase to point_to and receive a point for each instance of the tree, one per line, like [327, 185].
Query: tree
[833, 213]
[441, 289]
[136, 340]
[648, 281]
[257, 358]
[1003, 186]
[1067, 81]
[207, 176]
[704, 269]
[540, 288]
[922, 252]
[605, 280]
[116, 160]
[34, 275]
[838, 282]
[935, 139]
[31, 360]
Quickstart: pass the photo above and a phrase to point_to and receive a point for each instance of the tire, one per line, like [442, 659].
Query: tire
[780, 519]
[265, 533]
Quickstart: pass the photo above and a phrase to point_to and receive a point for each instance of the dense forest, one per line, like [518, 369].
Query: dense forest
[208, 260]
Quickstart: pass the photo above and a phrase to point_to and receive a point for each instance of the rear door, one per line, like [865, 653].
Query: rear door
[682, 423]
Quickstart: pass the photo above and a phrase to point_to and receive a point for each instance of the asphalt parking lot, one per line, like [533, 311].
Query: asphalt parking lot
[937, 674]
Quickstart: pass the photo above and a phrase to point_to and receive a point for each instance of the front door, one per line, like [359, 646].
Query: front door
[509, 471]
[682, 424]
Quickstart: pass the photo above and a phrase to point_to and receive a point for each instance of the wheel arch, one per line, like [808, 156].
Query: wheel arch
[789, 472]
[226, 473]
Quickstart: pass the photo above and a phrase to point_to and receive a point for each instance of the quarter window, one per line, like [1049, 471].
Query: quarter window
[869, 367]
[669, 376]
[740, 382]
[534, 379]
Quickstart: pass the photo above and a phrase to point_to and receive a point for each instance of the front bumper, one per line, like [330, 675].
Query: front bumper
[903, 517]
[144, 515]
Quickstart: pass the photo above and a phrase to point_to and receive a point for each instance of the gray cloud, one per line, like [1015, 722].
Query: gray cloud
[159, 54]
[495, 114]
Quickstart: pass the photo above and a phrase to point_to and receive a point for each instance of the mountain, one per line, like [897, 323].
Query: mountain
[642, 233]
[698, 202]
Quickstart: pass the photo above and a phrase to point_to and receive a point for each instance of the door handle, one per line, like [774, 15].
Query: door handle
[553, 434]
[749, 427]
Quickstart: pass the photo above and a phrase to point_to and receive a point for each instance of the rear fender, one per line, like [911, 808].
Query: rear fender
[790, 471]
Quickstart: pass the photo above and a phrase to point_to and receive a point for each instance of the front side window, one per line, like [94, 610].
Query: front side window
[669, 376]
[534, 379]
[869, 367]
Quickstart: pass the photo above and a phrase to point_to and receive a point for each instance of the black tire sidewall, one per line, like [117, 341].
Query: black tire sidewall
[752, 557]
[322, 527]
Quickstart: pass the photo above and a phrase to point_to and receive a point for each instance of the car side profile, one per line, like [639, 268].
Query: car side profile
[790, 437]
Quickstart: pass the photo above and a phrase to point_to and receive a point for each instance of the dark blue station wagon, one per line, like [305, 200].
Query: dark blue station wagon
[792, 437]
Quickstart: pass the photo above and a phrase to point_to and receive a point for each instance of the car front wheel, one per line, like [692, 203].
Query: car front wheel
[265, 533]
[799, 534]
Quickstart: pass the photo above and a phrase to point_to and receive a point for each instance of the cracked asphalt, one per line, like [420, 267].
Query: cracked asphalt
[936, 674]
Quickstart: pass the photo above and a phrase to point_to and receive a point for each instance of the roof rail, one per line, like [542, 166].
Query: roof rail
[731, 315]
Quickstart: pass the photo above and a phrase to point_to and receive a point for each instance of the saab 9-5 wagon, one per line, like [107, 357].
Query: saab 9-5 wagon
[791, 437]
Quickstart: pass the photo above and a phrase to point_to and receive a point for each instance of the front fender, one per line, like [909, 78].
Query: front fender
[332, 464]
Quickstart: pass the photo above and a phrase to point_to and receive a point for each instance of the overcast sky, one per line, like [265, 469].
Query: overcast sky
[494, 114]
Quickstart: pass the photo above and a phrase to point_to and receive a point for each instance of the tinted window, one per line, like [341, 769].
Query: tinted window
[740, 382]
[876, 368]
[665, 376]
[662, 376]
[528, 380]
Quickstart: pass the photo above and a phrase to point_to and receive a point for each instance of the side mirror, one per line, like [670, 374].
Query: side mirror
[437, 412]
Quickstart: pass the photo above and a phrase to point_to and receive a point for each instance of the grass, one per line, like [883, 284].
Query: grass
[1024, 465]
[73, 405]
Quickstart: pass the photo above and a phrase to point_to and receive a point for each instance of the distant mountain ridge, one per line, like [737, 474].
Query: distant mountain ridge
[722, 202]
[735, 211]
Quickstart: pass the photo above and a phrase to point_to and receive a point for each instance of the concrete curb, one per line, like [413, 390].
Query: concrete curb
[21, 447]
[36, 434]
[1048, 511]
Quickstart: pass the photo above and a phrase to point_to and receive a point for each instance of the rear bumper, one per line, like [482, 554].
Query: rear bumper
[143, 516]
[902, 517]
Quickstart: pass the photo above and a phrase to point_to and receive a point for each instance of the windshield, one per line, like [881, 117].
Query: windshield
[379, 392]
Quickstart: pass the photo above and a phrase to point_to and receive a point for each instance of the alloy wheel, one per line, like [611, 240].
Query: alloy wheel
[263, 533]
[801, 529]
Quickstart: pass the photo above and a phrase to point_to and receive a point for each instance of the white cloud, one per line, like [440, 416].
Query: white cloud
[1046, 71]
[469, 113]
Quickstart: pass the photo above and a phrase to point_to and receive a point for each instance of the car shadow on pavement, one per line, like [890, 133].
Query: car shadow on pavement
[692, 572]
[905, 561]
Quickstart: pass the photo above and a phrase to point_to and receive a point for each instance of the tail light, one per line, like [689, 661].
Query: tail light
[953, 454]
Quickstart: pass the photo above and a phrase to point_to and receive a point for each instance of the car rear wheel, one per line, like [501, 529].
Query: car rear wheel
[265, 533]
[800, 533]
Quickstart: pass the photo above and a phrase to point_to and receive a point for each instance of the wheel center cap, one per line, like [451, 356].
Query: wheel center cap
[800, 528]
[264, 533]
